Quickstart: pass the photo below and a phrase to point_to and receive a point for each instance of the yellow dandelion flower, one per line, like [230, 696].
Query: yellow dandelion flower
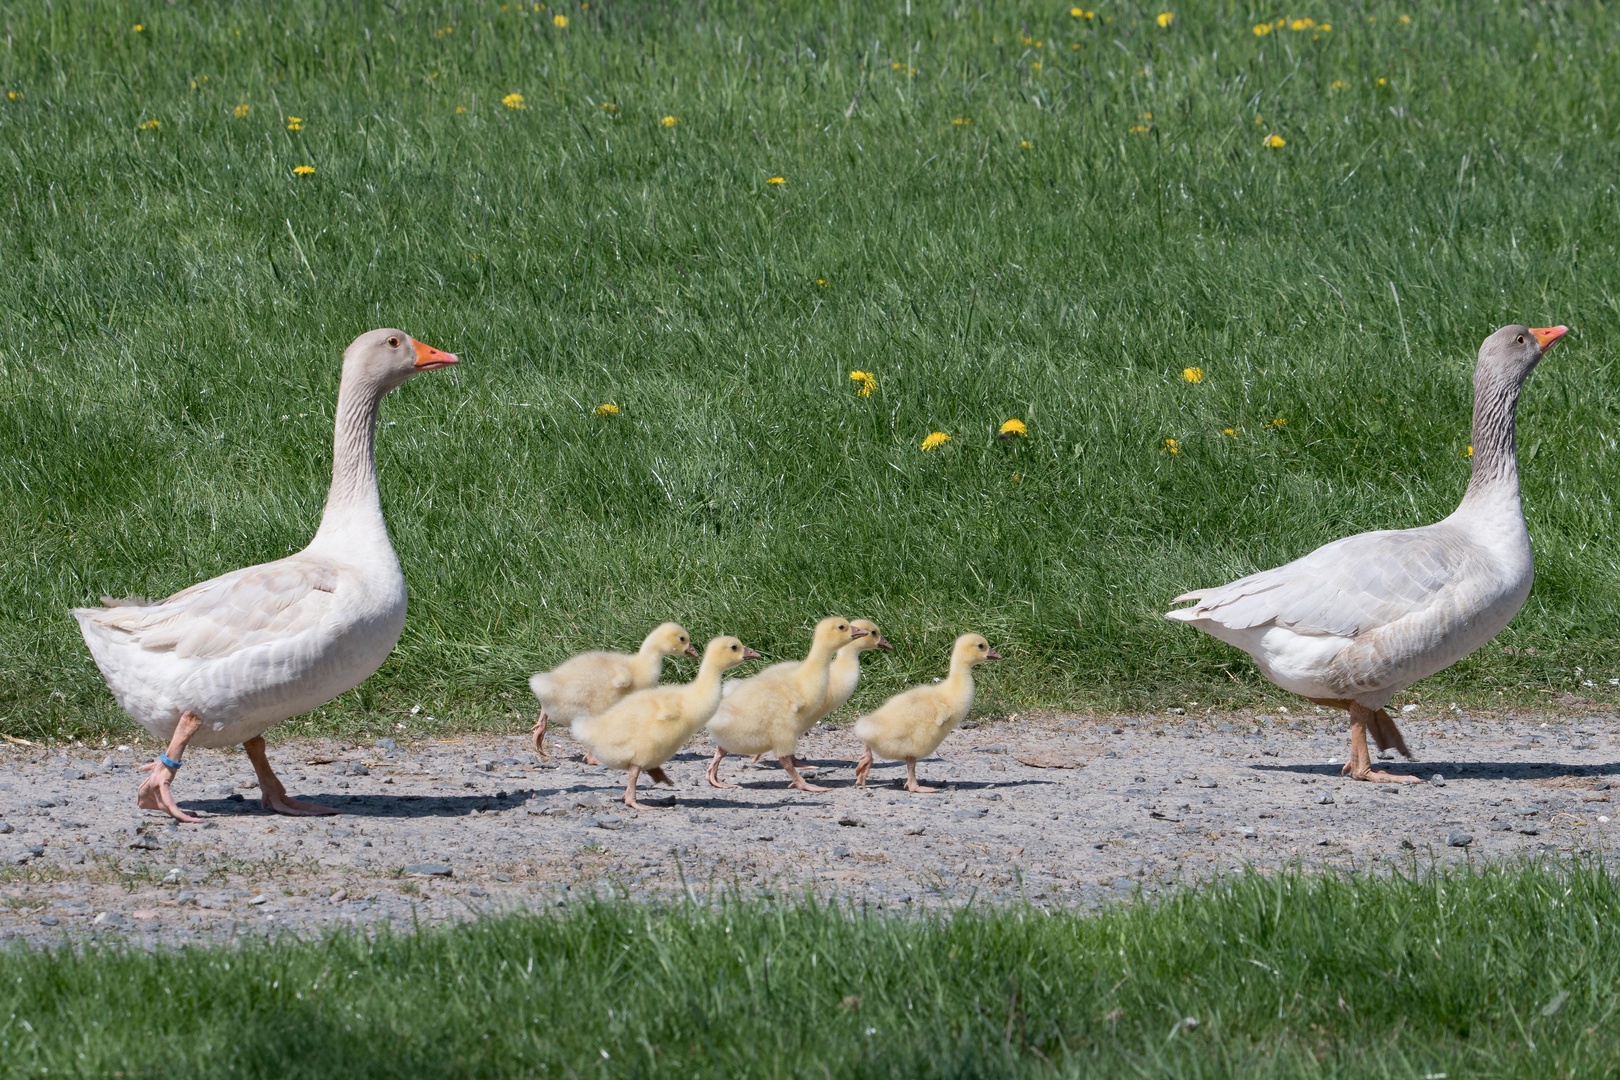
[1262, 29]
[1078, 13]
[865, 381]
[1193, 374]
[1165, 18]
[822, 281]
[1257, 119]
[1172, 446]
[241, 111]
[670, 121]
[139, 28]
[12, 95]
[1276, 142]
[1013, 427]
[1025, 144]
[513, 101]
[609, 106]
[1301, 24]
[1229, 431]
[963, 121]
[1281, 421]
[1469, 452]
[1383, 82]
[776, 180]
[1139, 129]
[295, 124]
[460, 109]
[935, 440]
[1147, 116]
[1325, 27]
[1406, 18]
[1036, 66]
[304, 170]
[559, 20]
[608, 409]
[446, 30]
[151, 125]
[1339, 84]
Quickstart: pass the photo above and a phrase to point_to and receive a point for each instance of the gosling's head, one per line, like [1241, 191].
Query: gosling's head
[727, 652]
[837, 631]
[972, 650]
[669, 639]
[874, 638]
[386, 358]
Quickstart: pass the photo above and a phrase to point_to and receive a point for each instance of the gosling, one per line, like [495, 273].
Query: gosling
[913, 723]
[593, 682]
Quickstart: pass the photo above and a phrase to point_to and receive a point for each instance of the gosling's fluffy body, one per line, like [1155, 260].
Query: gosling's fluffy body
[912, 724]
[766, 712]
[645, 729]
[593, 682]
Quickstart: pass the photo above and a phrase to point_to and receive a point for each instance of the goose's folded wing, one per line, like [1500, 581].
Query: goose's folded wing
[1345, 588]
[235, 611]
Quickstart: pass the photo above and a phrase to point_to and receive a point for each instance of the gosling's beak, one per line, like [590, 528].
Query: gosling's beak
[1549, 334]
[883, 643]
[857, 632]
[749, 654]
[428, 358]
[992, 655]
[691, 650]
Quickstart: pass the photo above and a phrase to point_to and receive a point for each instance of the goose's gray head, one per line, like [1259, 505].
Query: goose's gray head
[1512, 352]
[387, 358]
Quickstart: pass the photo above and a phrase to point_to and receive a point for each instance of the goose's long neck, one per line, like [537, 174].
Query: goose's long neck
[649, 664]
[1493, 487]
[353, 507]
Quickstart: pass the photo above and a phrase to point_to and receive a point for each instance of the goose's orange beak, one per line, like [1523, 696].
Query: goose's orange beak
[1549, 334]
[428, 358]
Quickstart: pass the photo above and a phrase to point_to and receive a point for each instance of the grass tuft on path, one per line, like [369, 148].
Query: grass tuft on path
[1232, 283]
[1501, 970]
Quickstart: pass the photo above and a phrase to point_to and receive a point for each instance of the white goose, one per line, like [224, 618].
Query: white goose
[219, 663]
[1356, 621]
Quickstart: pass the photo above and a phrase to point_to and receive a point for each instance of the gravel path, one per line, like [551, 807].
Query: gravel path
[1061, 810]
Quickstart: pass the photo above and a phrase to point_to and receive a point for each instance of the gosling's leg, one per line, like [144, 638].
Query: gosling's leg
[713, 775]
[630, 791]
[911, 780]
[790, 765]
[540, 732]
[154, 793]
[862, 767]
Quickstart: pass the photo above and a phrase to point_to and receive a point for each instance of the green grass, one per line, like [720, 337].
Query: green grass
[173, 301]
[1494, 972]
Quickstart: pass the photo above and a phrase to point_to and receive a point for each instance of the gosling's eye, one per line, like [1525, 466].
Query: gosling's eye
[393, 342]
[734, 648]
[981, 647]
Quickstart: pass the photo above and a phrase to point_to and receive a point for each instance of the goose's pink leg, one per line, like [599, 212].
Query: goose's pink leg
[272, 793]
[1359, 767]
[154, 793]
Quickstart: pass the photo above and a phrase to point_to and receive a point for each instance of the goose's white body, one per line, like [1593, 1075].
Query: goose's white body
[251, 648]
[256, 646]
[1360, 619]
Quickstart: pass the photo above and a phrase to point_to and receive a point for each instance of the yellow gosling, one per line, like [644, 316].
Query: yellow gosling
[913, 723]
[644, 730]
[764, 713]
[592, 683]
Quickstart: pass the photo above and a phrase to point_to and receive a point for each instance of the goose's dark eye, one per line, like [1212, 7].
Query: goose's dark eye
[1521, 339]
[734, 648]
[981, 646]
